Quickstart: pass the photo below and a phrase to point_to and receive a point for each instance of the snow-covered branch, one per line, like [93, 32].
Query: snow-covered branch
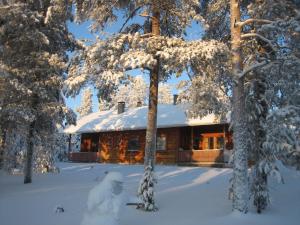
[249, 35]
[251, 68]
[251, 20]
[129, 17]
[113, 57]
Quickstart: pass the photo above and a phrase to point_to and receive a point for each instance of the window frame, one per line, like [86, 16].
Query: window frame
[138, 141]
[215, 137]
[165, 142]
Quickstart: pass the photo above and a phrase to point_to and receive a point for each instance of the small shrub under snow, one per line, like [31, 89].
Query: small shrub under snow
[104, 201]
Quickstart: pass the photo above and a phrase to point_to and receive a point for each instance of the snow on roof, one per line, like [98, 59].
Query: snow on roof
[134, 119]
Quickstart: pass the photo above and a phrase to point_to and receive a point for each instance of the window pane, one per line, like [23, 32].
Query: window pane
[220, 142]
[196, 143]
[161, 143]
[208, 143]
[211, 142]
[205, 143]
[133, 144]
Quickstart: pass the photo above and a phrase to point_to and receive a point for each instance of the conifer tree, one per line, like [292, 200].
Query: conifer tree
[155, 45]
[262, 54]
[133, 92]
[86, 106]
[33, 62]
[164, 94]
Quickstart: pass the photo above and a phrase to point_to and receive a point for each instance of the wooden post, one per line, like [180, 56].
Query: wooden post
[224, 136]
[70, 144]
[192, 138]
[192, 143]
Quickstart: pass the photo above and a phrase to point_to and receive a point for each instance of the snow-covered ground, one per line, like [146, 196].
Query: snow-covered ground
[185, 196]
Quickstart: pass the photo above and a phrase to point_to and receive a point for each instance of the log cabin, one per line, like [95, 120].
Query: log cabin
[118, 136]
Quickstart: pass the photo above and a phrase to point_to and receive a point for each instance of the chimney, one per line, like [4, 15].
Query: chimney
[175, 99]
[121, 107]
[139, 104]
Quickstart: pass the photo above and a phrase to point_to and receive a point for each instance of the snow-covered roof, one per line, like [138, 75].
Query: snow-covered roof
[136, 118]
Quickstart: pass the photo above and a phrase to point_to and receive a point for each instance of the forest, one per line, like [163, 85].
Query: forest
[246, 64]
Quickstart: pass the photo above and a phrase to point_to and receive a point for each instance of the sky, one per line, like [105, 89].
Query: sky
[81, 31]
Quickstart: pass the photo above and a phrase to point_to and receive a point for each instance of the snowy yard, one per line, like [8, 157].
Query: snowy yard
[185, 196]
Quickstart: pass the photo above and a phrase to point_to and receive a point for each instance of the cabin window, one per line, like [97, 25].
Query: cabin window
[85, 144]
[212, 141]
[196, 142]
[208, 143]
[220, 142]
[134, 144]
[161, 142]
[94, 146]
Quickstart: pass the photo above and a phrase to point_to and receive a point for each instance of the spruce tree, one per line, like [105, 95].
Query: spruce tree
[86, 106]
[33, 62]
[265, 59]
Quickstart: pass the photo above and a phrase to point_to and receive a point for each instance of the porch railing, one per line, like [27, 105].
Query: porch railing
[210, 155]
[84, 156]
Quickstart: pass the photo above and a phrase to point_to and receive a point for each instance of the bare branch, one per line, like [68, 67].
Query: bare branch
[251, 68]
[129, 17]
[188, 73]
[244, 36]
[259, 21]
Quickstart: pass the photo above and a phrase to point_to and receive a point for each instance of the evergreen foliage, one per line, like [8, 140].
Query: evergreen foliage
[86, 103]
[34, 40]
[146, 189]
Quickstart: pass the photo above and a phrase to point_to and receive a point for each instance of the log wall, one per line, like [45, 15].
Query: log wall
[113, 147]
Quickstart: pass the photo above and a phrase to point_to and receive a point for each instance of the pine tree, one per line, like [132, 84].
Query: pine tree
[33, 62]
[135, 91]
[264, 80]
[164, 94]
[86, 106]
[240, 177]
[132, 93]
[156, 45]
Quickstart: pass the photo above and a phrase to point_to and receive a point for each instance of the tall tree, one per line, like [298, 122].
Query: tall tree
[132, 93]
[33, 62]
[146, 188]
[240, 166]
[268, 43]
[164, 94]
[86, 106]
[156, 45]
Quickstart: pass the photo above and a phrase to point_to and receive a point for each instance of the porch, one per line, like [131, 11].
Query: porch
[206, 145]
[205, 158]
[84, 156]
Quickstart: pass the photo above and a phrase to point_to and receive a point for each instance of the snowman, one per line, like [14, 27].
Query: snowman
[104, 201]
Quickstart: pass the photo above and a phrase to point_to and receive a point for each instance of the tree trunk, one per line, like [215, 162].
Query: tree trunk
[70, 144]
[150, 146]
[29, 155]
[260, 189]
[146, 187]
[30, 145]
[2, 146]
[240, 177]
